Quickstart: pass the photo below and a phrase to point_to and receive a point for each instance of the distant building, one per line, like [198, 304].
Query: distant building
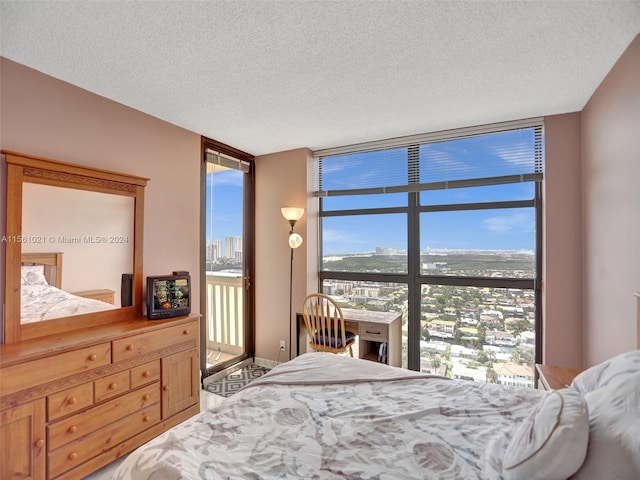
[462, 372]
[514, 374]
[527, 338]
[214, 251]
[390, 251]
[504, 339]
[442, 328]
[233, 248]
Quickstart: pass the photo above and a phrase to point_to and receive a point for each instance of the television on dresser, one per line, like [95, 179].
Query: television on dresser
[168, 296]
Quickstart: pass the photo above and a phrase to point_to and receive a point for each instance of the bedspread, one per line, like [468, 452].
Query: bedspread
[324, 416]
[44, 302]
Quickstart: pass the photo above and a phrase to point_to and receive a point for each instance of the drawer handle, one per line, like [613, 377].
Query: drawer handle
[92, 357]
[185, 332]
[372, 333]
[146, 397]
[166, 388]
[130, 347]
[145, 374]
[72, 429]
[72, 400]
[39, 443]
[72, 456]
[113, 386]
[146, 418]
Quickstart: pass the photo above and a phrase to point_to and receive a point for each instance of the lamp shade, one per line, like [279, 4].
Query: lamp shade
[292, 213]
[295, 240]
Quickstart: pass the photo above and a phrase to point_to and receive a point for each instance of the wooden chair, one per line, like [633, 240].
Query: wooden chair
[325, 325]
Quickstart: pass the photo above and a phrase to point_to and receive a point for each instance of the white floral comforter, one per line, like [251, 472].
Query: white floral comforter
[44, 302]
[324, 416]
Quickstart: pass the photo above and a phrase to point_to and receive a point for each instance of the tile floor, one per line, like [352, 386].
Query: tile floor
[207, 400]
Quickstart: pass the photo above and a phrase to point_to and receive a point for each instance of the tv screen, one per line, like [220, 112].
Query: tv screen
[168, 296]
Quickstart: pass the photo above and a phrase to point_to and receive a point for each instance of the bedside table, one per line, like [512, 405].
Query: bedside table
[554, 378]
[103, 294]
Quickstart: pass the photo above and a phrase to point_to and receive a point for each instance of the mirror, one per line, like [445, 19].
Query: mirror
[93, 232]
[72, 232]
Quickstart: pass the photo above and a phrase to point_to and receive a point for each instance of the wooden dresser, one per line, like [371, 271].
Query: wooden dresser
[74, 402]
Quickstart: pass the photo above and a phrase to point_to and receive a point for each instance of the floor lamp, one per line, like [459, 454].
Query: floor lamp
[292, 215]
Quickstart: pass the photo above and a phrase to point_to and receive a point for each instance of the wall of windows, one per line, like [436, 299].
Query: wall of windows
[444, 228]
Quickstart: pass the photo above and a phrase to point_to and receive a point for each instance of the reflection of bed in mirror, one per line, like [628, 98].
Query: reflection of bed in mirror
[41, 296]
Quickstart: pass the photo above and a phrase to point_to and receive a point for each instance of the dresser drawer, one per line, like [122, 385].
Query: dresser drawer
[111, 386]
[21, 376]
[136, 345]
[69, 401]
[148, 372]
[81, 450]
[81, 425]
[373, 331]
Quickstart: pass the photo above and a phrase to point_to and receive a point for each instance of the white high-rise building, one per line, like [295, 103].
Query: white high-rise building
[214, 251]
[233, 248]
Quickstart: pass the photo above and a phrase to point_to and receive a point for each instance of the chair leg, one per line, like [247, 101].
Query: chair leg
[351, 350]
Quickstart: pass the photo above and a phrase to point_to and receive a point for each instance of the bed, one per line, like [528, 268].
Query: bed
[325, 416]
[41, 297]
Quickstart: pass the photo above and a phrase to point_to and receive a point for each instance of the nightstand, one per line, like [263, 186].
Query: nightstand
[554, 378]
[103, 294]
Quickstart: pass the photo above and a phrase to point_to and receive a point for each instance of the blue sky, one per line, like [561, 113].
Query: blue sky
[475, 157]
[224, 207]
[506, 229]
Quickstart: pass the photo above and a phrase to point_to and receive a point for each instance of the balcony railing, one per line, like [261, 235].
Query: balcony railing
[224, 313]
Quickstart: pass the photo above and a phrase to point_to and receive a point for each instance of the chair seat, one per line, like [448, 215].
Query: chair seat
[330, 340]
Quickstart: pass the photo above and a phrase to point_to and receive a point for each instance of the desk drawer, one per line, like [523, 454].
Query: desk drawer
[373, 331]
[131, 347]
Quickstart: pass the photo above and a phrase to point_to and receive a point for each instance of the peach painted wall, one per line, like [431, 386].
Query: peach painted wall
[611, 210]
[281, 180]
[45, 216]
[562, 242]
[46, 117]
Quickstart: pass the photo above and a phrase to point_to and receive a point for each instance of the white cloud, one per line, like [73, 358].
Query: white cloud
[517, 223]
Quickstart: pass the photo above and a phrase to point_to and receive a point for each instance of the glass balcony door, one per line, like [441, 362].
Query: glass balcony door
[227, 337]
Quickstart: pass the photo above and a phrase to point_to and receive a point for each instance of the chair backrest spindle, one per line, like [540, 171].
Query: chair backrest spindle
[325, 324]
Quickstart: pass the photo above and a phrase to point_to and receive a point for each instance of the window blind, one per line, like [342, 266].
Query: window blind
[491, 155]
[217, 158]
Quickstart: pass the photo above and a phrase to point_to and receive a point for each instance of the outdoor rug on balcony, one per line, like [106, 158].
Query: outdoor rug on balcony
[234, 381]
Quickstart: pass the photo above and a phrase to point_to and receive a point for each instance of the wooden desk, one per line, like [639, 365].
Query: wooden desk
[372, 328]
[554, 378]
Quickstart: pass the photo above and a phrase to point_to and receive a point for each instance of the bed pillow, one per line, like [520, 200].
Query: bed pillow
[620, 366]
[552, 441]
[32, 275]
[614, 431]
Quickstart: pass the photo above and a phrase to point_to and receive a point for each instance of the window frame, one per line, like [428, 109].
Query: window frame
[414, 278]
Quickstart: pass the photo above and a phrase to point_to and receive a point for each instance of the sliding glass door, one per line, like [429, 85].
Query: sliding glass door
[227, 304]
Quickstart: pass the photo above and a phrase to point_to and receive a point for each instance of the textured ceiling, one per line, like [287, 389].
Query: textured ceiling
[275, 75]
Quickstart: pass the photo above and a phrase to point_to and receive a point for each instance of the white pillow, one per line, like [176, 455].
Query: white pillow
[552, 442]
[602, 374]
[32, 275]
[614, 431]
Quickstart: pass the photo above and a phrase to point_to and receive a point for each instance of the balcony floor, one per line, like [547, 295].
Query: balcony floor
[216, 357]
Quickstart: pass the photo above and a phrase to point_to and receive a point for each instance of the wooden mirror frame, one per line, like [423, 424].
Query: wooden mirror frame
[26, 168]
